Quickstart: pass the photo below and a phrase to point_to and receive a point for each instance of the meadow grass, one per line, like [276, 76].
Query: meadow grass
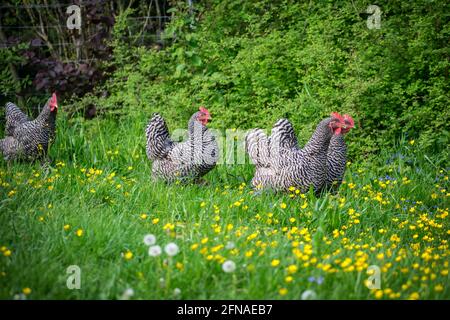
[96, 202]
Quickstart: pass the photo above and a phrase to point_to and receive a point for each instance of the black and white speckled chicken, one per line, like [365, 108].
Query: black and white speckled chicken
[280, 163]
[28, 139]
[188, 160]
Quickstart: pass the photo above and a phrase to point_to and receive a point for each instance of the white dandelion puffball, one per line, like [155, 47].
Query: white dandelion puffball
[229, 266]
[127, 294]
[171, 249]
[154, 251]
[309, 295]
[230, 245]
[177, 291]
[149, 239]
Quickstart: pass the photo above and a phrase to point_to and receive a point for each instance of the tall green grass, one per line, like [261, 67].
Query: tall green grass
[402, 226]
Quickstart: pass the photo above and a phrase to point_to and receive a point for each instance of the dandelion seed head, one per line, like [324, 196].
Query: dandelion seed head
[229, 266]
[171, 249]
[154, 251]
[149, 239]
[309, 295]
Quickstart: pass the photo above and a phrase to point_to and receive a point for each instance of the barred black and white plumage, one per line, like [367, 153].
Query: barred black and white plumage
[14, 116]
[280, 163]
[337, 154]
[30, 139]
[336, 162]
[188, 160]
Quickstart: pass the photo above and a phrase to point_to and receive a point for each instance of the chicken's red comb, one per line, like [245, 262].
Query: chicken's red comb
[203, 110]
[337, 116]
[349, 119]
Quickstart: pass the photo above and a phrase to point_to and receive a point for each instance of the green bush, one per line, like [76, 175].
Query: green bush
[253, 63]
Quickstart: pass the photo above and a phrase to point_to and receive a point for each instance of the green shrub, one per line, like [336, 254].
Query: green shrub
[253, 63]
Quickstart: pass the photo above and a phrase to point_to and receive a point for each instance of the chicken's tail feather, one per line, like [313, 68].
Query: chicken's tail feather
[257, 147]
[158, 138]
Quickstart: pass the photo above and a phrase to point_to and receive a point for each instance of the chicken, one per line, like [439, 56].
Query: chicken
[184, 161]
[29, 139]
[281, 164]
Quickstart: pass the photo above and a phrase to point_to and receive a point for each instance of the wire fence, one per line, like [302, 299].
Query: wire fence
[163, 18]
[48, 5]
[149, 29]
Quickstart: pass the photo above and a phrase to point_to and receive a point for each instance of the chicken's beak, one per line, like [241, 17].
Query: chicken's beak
[204, 118]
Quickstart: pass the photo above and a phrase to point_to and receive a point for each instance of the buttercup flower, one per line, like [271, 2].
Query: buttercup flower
[128, 255]
[26, 291]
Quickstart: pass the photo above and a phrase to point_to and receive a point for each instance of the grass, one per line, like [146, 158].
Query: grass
[99, 183]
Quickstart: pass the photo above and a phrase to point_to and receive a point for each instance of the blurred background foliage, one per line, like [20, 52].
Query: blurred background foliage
[248, 62]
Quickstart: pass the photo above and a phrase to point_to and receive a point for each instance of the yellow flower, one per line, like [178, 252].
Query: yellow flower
[7, 253]
[288, 279]
[275, 262]
[438, 288]
[194, 246]
[379, 294]
[26, 291]
[304, 205]
[179, 266]
[128, 255]
[292, 269]
[66, 227]
[414, 296]
[249, 253]
[155, 220]
[144, 216]
[283, 205]
[79, 232]
[204, 240]
[411, 142]
[283, 291]
[202, 204]
[252, 236]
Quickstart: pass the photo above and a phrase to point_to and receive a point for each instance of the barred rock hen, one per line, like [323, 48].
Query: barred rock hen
[188, 160]
[29, 139]
[280, 163]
